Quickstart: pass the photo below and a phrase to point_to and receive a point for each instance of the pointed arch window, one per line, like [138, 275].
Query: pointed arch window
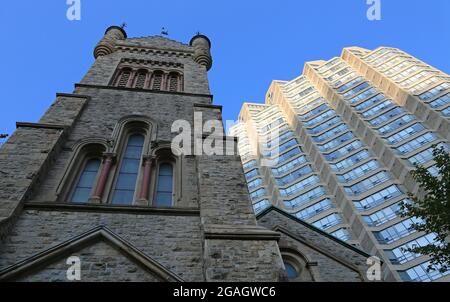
[140, 79]
[164, 189]
[157, 81]
[125, 187]
[174, 79]
[124, 77]
[86, 181]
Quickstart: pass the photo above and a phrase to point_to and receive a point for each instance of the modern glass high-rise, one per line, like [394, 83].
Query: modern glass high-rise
[344, 137]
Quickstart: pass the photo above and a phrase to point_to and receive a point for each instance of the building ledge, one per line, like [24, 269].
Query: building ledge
[40, 125]
[239, 232]
[210, 96]
[108, 208]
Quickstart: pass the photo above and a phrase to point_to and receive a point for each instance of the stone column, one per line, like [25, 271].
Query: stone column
[145, 184]
[108, 161]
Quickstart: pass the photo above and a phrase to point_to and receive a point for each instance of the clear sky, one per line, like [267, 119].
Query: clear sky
[254, 42]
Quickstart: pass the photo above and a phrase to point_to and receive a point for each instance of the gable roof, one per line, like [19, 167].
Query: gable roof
[94, 235]
[311, 227]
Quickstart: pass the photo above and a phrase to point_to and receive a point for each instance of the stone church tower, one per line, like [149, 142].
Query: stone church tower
[96, 178]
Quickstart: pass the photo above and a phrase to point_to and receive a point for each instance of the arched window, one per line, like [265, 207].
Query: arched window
[126, 181]
[291, 271]
[296, 266]
[164, 187]
[157, 80]
[86, 181]
[173, 81]
[124, 77]
[141, 79]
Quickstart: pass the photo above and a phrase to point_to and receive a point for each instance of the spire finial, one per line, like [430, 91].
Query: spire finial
[164, 32]
[123, 25]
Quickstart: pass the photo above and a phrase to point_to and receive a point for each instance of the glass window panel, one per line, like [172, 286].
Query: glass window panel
[126, 182]
[350, 161]
[417, 143]
[328, 222]
[398, 123]
[335, 155]
[386, 116]
[81, 195]
[396, 232]
[122, 197]
[383, 216]
[86, 181]
[336, 142]
[370, 102]
[378, 108]
[165, 186]
[290, 271]
[294, 175]
[129, 169]
[315, 209]
[378, 198]
[342, 234]
[289, 166]
[367, 184]
[129, 165]
[261, 206]
[304, 198]
[300, 186]
[363, 95]
[359, 171]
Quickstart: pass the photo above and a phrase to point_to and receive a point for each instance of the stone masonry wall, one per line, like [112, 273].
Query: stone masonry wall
[226, 213]
[103, 69]
[329, 269]
[99, 117]
[173, 241]
[100, 261]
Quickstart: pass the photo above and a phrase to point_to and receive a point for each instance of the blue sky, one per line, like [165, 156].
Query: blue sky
[254, 42]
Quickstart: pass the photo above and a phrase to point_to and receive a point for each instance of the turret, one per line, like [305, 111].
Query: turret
[107, 43]
[202, 47]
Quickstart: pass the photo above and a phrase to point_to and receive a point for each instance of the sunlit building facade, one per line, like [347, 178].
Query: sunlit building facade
[335, 148]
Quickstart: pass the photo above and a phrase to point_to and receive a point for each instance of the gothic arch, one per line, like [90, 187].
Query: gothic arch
[81, 151]
[165, 153]
[140, 123]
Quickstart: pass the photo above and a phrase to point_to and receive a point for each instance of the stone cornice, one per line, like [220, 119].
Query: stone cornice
[79, 85]
[107, 208]
[244, 232]
[71, 95]
[40, 125]
[210, 106]
[131, 45]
